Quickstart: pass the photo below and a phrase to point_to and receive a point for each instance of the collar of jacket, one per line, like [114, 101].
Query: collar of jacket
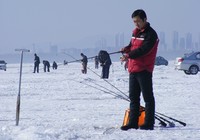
[136, 31]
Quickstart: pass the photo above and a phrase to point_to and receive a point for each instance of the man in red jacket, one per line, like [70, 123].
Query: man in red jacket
[141, 54]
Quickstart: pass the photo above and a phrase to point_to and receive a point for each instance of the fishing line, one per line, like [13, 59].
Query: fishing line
[156, 113]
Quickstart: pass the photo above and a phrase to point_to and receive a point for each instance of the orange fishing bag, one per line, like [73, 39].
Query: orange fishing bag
[141, 116]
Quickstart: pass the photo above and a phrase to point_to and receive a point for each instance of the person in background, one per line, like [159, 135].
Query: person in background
[46, 65]
[84, 61]
[96, 61]
[55, 66]
[36, 63]
[141, 54]
[65, 62]
[105, 62]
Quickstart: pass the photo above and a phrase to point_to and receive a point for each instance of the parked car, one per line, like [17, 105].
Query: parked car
[3, 65]
[161, 61]
[189, 63]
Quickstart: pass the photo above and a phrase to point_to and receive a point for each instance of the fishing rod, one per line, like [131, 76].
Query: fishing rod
[171, 124]
[184, 124]
[162, 121]
[113, 94]
[77, 60]
[100, 76]
[157, 114]
[126, 98]
[110, 84]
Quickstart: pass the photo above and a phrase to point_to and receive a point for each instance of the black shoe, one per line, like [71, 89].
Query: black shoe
[126, 127]
[146, 127]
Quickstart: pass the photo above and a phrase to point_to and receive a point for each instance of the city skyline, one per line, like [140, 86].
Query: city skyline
[176, 41]
[176, 47]
[71, 25]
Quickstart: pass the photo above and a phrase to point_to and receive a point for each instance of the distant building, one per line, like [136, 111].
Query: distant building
[119, 40]
[102, 43]
[189, 41]
[196, 45]
[162, 42]
[175, 39]
[182, 44]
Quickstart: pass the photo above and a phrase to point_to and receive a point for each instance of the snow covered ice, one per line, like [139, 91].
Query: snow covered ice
[57, 106]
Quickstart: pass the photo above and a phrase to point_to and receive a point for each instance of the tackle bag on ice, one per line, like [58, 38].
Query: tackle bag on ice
[141, 116]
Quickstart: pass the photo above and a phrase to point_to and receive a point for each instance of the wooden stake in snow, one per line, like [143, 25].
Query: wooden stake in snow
[20, 76]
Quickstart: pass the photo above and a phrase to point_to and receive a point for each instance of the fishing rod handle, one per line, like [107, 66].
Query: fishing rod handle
[184, 124]
[115, 52]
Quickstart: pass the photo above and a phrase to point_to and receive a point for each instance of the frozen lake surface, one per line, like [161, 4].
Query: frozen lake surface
[58, 106]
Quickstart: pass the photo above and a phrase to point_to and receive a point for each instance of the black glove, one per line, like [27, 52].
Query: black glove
[125, 50]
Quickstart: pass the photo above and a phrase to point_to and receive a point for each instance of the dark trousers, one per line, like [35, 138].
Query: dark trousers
[84, 70]
[36, 68]
[96, 65]
[105, 71]
[141, 82]
[46, 68]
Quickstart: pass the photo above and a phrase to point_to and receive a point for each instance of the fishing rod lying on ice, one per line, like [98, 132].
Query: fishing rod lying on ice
[159, 116]
[164, 120]
[125, 97]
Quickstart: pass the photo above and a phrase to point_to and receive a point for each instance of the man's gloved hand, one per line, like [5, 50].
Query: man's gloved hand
[124, 58]
[125, 50]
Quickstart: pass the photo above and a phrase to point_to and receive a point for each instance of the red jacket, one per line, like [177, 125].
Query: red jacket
[142, 50]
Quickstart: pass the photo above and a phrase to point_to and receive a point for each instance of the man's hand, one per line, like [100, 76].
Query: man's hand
[124, 50]
[123, 58]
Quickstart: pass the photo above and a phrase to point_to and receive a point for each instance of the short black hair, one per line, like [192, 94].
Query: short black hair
[141, 13]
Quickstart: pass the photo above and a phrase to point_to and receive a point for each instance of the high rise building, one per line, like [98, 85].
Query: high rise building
[189, 41]
[175, 39]
[182, 44]
[121, 43]
[119, 40]
[162, 42]
[101, 43]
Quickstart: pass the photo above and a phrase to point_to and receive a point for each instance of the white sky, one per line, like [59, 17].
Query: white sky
[27, 22]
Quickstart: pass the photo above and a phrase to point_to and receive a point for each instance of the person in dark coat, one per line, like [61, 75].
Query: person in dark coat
[55, 66]
[84, 63]
[96, 61]
[105, 62]
[46, 65]
[36, 63]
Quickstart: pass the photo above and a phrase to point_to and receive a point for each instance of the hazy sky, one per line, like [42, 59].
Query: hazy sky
[27, 22]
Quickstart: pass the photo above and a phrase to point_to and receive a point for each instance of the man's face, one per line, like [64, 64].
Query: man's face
[139, 23]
